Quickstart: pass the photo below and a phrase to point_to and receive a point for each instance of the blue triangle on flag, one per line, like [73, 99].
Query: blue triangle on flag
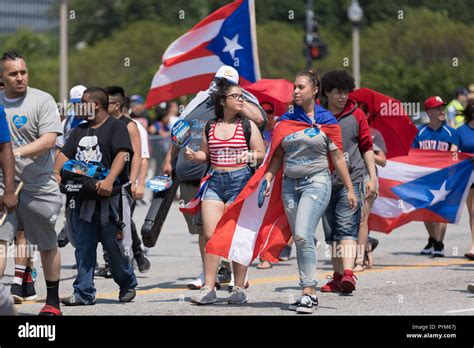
[441, 191]
[233, 44]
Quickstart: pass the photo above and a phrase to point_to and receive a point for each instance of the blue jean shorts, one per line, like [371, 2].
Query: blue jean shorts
[225, 186]
[339, 221]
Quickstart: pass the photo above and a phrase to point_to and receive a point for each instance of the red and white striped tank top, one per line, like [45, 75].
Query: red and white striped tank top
[224, 153]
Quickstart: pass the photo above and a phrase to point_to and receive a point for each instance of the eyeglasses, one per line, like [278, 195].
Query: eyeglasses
[236, 96]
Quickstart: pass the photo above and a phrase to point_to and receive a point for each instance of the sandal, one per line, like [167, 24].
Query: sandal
[469, 256]
[264, 265]
[359, 267]
[48, 310]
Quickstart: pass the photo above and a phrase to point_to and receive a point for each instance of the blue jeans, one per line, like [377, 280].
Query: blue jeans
[339, 221]
[305, 201]
[86, 235]
[225, 186]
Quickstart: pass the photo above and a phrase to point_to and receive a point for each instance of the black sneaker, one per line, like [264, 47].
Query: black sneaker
[17, 293]
[143, 263]
[28, 291]
[294, 306]
[127, 295]
[224, 275]
[307, 304]
[103, 271]
[438, 249]
[74, 301]
[429, 248]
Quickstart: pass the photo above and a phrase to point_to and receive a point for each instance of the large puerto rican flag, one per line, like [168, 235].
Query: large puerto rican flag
[246, 231]
[225, 37]
[423, 186]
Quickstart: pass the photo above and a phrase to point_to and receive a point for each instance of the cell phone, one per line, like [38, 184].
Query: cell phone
[261, 193]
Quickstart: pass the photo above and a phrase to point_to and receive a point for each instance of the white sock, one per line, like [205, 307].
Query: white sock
[19, 273]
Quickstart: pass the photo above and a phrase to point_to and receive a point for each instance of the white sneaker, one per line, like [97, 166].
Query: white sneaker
[205, 296]
[197, 283]
[238, 296]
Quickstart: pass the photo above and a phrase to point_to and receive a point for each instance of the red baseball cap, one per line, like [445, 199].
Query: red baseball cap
[433, 102]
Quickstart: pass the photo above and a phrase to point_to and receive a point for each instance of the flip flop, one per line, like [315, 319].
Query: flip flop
[264, 265]
[48, 310]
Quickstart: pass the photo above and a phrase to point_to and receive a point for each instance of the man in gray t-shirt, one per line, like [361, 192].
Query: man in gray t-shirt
[34, 122]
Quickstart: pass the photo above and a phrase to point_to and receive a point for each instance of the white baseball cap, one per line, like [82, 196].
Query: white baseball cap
[228, 73]
[75, 94]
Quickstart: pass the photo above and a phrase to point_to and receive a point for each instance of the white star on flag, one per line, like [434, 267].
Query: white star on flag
[232, 45]
[439, 195]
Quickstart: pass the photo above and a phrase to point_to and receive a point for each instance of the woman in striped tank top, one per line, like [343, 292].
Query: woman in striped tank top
[226, 149]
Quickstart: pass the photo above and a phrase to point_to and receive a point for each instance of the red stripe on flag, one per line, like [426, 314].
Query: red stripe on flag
[386, 225]
[221, 240]
[178, 88]
[385, 186]
[431, 158]
[197, 52]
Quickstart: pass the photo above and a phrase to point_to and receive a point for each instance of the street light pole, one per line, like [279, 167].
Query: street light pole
[355, 14]
[63, 52]
[356, 55]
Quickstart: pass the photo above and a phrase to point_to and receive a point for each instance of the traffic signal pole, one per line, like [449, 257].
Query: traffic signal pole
[309, 33]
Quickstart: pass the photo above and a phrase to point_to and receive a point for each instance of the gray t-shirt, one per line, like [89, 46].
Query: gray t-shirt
[306, 152]
[29, 117]
[379, 142]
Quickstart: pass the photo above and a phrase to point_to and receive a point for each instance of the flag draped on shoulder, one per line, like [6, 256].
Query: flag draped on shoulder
[225, 37]
[423, 186]
[246, 231]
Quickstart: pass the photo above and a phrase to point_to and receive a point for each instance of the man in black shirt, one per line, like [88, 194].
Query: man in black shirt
[103, 139]
[116, 102]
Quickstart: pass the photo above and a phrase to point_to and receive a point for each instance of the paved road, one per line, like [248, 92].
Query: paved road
[403, 282]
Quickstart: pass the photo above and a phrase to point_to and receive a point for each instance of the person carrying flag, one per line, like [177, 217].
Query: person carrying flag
[341, 221]
[306, 188]
[189, 174]
[228, 149]
[436, 135]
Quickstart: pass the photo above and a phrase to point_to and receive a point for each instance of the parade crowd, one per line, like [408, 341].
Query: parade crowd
[322, 154]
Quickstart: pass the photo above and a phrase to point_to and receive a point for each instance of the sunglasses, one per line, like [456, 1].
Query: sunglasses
[236, 96]
[269, 111]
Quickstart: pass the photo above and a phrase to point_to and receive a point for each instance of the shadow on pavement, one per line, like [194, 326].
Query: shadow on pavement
[168, 285]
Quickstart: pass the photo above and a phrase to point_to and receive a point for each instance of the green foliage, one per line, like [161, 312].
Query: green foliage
[407, 58]
[415, 57]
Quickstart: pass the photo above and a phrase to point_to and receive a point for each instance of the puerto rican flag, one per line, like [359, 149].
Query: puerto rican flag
[225, 37]
[246, 231]
[423, 186]
[194, 205]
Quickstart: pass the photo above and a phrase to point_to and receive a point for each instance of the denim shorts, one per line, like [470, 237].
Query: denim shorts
[225, 186]
[339, 221]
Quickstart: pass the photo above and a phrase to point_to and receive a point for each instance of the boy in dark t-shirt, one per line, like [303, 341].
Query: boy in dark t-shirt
[105, 140]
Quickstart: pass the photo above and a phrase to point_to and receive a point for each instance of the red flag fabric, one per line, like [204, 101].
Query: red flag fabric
[387, 115]
[426, 185]
[246, 231]
[222, 38]
[278, 92]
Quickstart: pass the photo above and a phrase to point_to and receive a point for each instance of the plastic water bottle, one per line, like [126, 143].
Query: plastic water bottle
[159, 183]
